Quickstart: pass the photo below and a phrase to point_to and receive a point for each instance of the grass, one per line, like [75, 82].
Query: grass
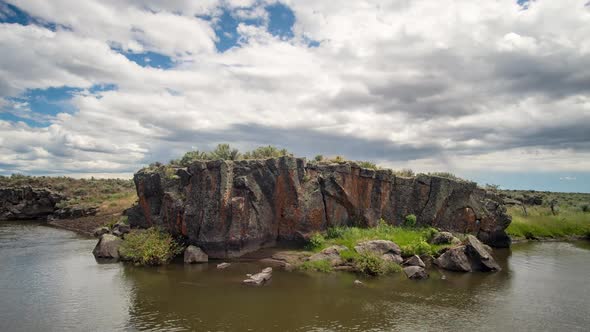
[411, 240]
[149, 247]
[541, 223]
[319, 266]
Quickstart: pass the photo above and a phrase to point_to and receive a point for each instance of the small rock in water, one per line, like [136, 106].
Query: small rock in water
[443, 277]
[259, 278]
[223, 265]
[358, 283]
[415, 272]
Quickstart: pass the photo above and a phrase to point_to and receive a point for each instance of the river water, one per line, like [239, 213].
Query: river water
[49, 281]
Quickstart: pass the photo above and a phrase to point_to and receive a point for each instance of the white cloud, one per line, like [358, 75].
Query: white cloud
[458, 85]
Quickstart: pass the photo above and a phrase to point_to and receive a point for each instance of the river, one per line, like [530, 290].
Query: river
[49, 281]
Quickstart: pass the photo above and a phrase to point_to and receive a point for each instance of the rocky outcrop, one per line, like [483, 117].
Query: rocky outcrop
[229, 208]
[20, 203]
[414, 260]
[384, 249]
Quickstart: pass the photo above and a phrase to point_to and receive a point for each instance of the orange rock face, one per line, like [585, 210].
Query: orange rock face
[229, 208]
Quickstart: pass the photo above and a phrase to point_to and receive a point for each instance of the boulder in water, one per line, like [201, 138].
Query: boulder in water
[415, 272]
[194, 254]
[259, 278]
[415, 261]
[107, 247]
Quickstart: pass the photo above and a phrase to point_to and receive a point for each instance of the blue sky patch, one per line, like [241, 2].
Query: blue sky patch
[149, 59]
[281, 20]
[14, 15]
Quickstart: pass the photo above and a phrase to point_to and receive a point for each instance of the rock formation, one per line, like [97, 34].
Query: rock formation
[229, 208]
[20, 203]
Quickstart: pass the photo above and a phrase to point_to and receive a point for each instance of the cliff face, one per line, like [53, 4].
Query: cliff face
[27, 203]
[231, 208]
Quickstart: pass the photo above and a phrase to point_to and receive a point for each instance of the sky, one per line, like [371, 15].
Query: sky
[494, 91]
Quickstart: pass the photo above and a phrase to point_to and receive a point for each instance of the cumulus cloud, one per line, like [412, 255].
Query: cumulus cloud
[431, 85]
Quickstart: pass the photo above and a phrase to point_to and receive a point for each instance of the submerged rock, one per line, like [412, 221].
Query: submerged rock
[415, 272]
[259, 278]
[222, 266]
[194, 254]
[414, 261]
[107, 247]
[287, 260]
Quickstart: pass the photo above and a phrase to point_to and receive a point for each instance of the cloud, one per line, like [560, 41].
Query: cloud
[458, 86]
[568, 178]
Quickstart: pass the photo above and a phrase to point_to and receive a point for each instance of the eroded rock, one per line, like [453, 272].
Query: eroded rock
[98, 232]
[387, 250]
[18, 203]
[331, 254]
[471, 256]
[222, 266]
[454, 259]
[229, 208]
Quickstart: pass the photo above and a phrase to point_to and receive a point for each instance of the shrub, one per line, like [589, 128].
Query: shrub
[585, 207]
[316, 241]
[368, 164]
[335, 232]
[323, 265]
[224, 152]
[410, 220]
[149, 247]
[265, 152]
[319, 157]
[193, 156]
[420, 248]
[405, 172]
[371, 264]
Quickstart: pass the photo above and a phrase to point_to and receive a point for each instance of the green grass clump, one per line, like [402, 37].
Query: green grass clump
[411, 240]
[373, 265]
[410, 220]
[539, 223]
[316, 242]
[149, 247]
[319, 266]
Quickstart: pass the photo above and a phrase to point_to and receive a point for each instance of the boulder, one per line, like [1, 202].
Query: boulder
[378, 247]
[414, 261]
[387, 250]
[194, 254]
[331, 254]
[358, 283]
[481, 259]
[287, 260]
[454, 259]
[444, 238]
[122, 228]
[259, 278]
[107, 247]
[415, 272]
[98, 232]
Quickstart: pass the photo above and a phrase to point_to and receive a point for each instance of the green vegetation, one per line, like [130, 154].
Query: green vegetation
[541, 214]
[149, 247]
[446, 175]
[226, 152]
[368, 164]
[319, 266]
[410, 220]
[80, 192]
[405, 172]
[411, 240]
[316, 242]
[540, 222]
[373, 265]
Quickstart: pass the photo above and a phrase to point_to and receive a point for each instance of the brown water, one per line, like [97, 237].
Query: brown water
[49, 281]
